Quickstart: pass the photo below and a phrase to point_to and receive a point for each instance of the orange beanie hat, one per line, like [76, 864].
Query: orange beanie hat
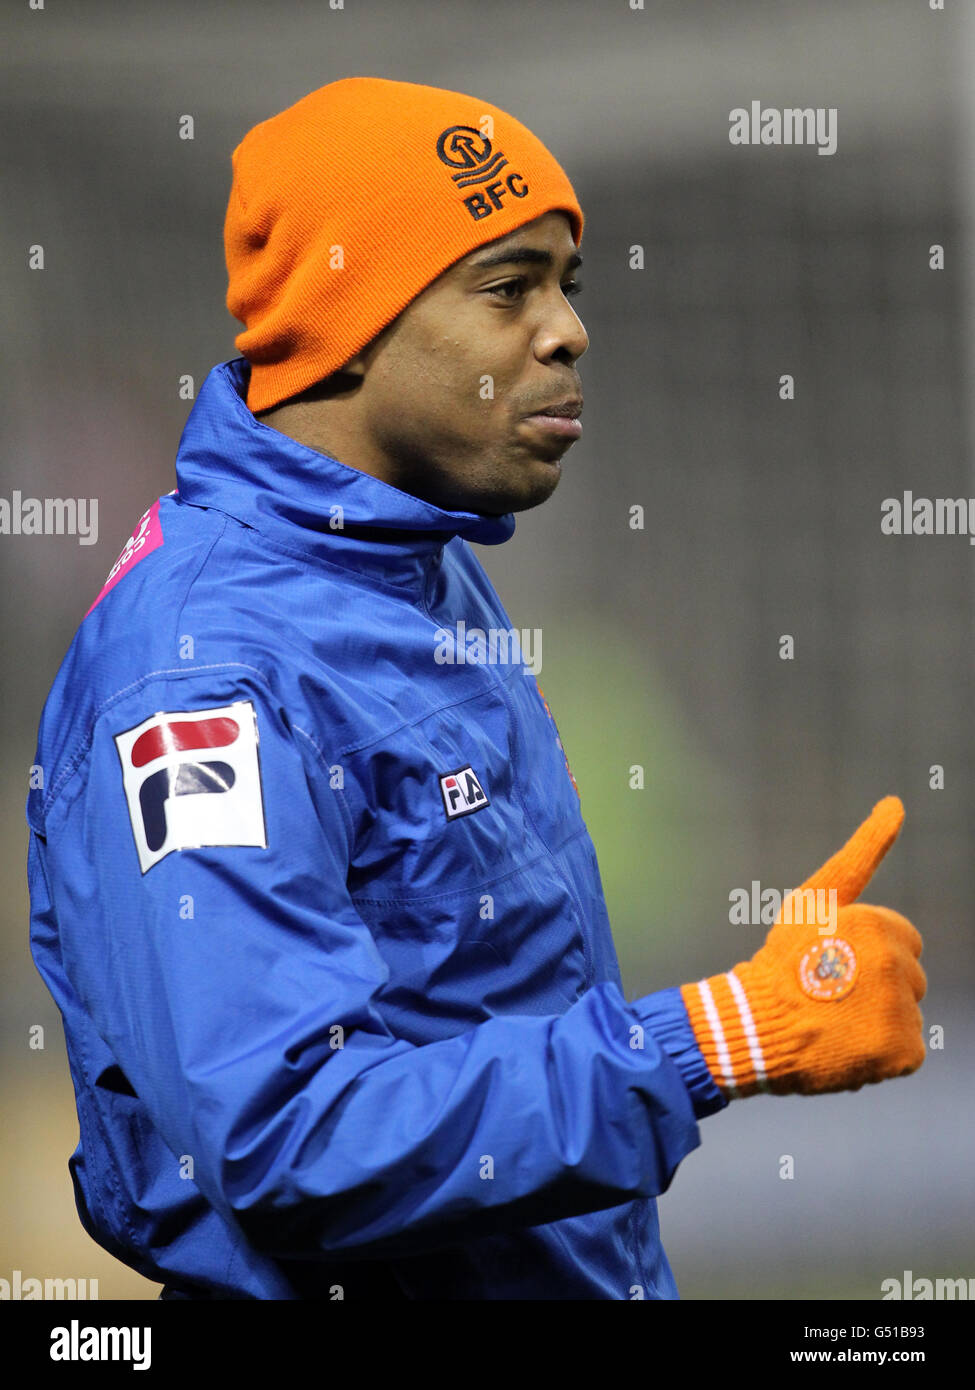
[344, 207]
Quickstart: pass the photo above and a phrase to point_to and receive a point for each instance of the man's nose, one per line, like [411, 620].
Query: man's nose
[561, 331]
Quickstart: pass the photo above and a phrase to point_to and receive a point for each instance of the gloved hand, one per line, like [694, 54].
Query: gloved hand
[811, 1013]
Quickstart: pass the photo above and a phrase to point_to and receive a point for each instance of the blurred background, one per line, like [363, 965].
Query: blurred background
[661, 644]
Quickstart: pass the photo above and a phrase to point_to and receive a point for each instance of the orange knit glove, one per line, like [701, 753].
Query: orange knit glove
[813, 1012]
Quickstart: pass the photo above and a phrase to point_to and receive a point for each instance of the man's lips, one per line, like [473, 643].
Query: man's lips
[561, 418]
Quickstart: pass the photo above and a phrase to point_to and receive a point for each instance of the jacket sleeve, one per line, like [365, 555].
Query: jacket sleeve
[239, 992]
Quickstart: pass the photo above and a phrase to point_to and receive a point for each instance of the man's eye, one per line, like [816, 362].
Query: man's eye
[517, 284]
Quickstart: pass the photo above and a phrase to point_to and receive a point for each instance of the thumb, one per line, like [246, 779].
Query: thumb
[851, 868]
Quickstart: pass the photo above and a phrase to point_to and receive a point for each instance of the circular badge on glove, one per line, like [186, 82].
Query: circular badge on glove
[828, 970]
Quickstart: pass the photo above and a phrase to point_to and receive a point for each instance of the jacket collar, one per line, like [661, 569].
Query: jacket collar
[227, 459]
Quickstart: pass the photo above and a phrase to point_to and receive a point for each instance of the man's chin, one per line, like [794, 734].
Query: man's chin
[535, 489]
[543, 491]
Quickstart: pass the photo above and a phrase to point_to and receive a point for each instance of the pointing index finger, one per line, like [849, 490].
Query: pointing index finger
[851, 868]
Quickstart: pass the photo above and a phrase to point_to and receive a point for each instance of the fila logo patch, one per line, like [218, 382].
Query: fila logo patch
[193, 778]
[475, 161]
[462, 793]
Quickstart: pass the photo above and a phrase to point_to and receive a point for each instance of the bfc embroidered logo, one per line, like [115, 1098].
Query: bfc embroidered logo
[474, 160]
[558, 740]
[829, 969]
[192, 778]
[462, 793]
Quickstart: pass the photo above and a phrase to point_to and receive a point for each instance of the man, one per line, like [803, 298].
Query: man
[310, 880]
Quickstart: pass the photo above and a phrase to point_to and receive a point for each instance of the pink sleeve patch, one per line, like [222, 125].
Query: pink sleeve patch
[146, 537]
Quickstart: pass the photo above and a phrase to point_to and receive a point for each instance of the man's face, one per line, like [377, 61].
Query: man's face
[451, 384]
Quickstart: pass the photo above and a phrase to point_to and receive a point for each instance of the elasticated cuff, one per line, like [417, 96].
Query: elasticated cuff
[665, 1016]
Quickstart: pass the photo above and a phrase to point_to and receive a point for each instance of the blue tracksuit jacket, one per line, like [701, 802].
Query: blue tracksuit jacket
[322, 916]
